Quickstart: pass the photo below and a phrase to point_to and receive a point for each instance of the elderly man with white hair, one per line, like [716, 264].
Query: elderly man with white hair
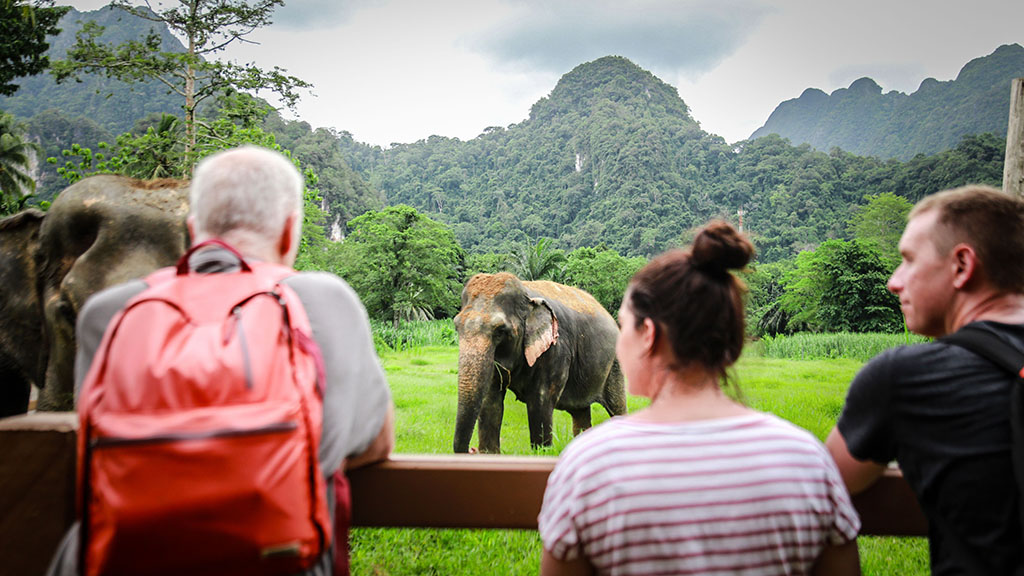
[251, 199]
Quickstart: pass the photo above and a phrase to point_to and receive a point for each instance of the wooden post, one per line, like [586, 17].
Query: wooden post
[1013, 168]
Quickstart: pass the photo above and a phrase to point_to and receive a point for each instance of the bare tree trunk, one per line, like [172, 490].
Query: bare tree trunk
[1013, 167]
[190, 114]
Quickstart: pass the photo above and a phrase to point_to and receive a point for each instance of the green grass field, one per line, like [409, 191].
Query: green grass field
[809, 393]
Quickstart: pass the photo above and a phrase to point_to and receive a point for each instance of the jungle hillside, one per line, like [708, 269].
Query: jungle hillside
[863, 120]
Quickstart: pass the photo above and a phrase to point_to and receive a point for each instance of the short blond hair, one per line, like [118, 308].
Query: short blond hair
[987, 219]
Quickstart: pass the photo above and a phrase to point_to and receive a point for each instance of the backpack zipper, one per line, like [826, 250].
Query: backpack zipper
[113, 441]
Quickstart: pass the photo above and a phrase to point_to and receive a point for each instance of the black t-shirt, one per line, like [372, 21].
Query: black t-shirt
[943, 413]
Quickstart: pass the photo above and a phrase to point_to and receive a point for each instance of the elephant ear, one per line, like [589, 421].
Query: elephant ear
[541, 330]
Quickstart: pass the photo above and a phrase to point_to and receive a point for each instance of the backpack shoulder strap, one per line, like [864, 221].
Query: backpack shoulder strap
[988, 345]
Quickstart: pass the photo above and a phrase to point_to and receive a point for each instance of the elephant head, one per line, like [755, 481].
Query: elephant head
[501, 329]
[100, 231]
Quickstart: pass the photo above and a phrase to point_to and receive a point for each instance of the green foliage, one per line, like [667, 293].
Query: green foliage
[413, 335]
[112, 105]
[403, 265]
[604, 273]
[24, 28]
[489, 263]
[766, 315]
[207, 26]
[880, 224]
[856, 346]
[157, 153]
[344, 192]
[841, 287]
[538, 262]
[15, 160]
[864, 121]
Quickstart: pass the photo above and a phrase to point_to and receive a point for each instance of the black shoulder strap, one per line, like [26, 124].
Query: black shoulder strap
[990, 346]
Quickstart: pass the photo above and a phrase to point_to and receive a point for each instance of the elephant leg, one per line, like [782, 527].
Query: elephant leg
[489, 428]
[614, 397]
[580, 420]
[539, 414]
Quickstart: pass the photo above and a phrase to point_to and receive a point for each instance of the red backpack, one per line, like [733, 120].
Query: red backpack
[200, 428]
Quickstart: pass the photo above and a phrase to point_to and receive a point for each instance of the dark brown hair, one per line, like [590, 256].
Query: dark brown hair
[693, 298]
[990, 221]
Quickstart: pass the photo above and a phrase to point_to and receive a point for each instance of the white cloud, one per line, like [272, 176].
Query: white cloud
[694, 35]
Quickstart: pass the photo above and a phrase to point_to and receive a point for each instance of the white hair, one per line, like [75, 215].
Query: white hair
[244, 196]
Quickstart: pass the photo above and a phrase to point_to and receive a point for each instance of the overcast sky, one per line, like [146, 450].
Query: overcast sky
[398, 71]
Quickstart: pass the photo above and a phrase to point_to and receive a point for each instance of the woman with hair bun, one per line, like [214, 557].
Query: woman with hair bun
[696, 483]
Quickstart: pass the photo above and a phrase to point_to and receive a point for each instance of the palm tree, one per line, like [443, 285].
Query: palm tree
[16, 156]
[539, 262]
[157, 152]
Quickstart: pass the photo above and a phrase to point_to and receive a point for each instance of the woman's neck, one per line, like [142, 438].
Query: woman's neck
[688, 394]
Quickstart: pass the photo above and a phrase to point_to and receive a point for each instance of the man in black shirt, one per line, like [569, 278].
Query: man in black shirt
[939, 410]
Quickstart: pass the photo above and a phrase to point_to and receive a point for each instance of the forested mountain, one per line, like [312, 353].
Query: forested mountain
[113, 105]
[612, 157]
[862, 120]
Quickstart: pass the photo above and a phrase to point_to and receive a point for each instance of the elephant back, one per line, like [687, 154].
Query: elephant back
[575, 299]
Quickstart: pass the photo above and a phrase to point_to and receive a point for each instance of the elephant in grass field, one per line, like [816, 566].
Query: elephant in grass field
[100, 231]
[553, 346]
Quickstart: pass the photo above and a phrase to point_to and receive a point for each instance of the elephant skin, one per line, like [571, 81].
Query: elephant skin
[552, 345]
[100, 231]
[21, 322]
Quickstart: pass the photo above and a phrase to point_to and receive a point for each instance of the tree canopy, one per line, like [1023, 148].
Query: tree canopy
[24, 28]
[841, 286]
[208, 26]
[16, 155]
[880, 222]
[402, 264]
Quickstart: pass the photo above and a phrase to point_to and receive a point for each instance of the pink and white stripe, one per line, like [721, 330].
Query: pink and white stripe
[747, 495]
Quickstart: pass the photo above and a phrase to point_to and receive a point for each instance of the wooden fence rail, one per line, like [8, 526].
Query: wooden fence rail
[37, 478]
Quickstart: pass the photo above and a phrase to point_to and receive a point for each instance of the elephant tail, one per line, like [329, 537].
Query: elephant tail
[614, 399]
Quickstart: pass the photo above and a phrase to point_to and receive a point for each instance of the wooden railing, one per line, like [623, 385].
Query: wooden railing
[37, 490]
[506, 492]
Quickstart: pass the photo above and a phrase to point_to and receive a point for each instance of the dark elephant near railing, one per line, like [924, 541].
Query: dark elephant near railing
[100, 231]
[21, 321]
[552, 345]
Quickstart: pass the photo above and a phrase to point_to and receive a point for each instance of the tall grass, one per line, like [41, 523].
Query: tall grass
[413, 334]
[828, 346]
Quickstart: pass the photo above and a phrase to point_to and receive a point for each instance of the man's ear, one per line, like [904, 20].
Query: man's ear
[190, 224]
[288, 243]
[965, 263]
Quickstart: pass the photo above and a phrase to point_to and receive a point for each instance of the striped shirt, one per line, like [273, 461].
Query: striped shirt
[752, 494]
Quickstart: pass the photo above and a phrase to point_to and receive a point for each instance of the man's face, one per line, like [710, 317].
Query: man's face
[924, 279]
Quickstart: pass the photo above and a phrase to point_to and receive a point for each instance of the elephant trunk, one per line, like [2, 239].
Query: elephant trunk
[476, 372]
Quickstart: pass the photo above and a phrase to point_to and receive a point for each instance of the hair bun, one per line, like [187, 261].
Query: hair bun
[719, 248]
